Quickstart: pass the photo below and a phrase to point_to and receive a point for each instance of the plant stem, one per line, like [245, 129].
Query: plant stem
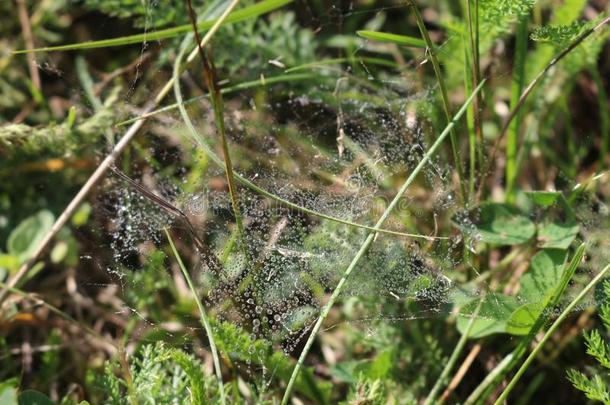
[218, 161]
[368, 241]
[470, 126]
[604, 118]
[518, 81]
[530, 87]
[431, 50]
[209, 75]
[511, 360]
[476, 138]
[203, 317]
[548, 334]
[452, 360]
[101, 169]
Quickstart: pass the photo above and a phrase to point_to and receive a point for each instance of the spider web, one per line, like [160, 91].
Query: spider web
[338, 141]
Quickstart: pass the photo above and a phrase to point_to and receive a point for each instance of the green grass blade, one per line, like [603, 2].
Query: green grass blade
[246, 13]
[518, 81]
[431, 49]
[453, 358]
[203, 317]
[241, 86]
[548, 334]
[530, 87]
[246, 182]
[510, 361]
[394, 38]
[210, 78]
[368, 241]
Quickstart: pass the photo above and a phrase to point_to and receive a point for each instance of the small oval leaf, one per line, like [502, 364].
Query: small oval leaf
[24, 239]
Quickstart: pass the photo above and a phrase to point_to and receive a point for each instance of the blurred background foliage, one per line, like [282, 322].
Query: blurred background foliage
[88, 324]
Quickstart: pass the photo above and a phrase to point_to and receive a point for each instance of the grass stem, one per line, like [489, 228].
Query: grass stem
[101, 170]
[453, 358]
[548, 334]
[203, 317]
[518, 81]
[431, 50]
[510, 361]
[211, 80]
[530, 87]
[368, 241]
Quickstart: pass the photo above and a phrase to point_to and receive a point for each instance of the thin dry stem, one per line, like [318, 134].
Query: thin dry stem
[28, 38]
[105, 165]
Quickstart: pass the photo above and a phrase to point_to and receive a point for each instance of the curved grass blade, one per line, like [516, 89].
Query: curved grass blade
[432, 51]
[453, 359]
[218, 161]
[369, 240]
[203, 316]
[241, 86]
[211, 81]
[394, 38]
[240, 15]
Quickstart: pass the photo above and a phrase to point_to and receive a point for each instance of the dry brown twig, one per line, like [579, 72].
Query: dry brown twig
[28, 38]
[105, 165]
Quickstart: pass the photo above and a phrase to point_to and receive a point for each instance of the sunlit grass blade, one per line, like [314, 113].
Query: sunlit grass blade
[241, 86]
[518, 81]
[453, 358]
[432, 50]
[246, 13]
[394, 38]
[246, 182]
[211, 80]
[336, 61]
[369, 240]
[473, 74]
[203, 316]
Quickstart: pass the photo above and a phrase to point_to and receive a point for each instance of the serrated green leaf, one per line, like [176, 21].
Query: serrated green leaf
[557, 235]
[543, 198]
[24, 239]
[501, 224]
[394, 38]
[523, 318]
[495, 311]
[544, 275]
[194, 373]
